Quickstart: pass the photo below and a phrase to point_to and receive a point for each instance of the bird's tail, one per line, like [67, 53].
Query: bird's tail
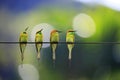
[38, 55]
[54, 57]
[54, 54]
[70, 52]
[22, 58]
[53, 50]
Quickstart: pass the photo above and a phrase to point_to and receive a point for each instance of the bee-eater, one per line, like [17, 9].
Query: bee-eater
[38, 42]
[23, 42]
[54, 39]
[70, 39]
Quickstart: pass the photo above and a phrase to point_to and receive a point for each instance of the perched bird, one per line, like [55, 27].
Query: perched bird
[54, 39]
[23, 42]
[70, 39]
[38, 42]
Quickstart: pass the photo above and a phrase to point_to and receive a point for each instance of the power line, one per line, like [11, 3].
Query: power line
[62, 42]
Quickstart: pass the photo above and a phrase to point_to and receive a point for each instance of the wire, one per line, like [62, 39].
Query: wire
[62, 42]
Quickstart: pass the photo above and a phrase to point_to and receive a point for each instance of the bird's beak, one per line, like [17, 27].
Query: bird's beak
[26, 29]
[41, 30]
[72, 31]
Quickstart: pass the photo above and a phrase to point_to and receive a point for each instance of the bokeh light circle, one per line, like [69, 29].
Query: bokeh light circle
[28, 72]
[84, 25]
[47, 28]
[113, 4]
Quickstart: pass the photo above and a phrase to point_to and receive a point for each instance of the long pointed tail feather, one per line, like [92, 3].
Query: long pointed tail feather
[54, 54]
[38, 55]
[54, 57]
[22, 58]
[53, 51]
[70, 51]
[70, 54]
[38, 49]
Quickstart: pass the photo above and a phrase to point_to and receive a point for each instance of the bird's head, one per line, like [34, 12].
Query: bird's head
[71, 32]
[55, 31]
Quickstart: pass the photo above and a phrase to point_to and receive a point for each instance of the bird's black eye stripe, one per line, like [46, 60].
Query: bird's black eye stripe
[71, 31]
[24, 32]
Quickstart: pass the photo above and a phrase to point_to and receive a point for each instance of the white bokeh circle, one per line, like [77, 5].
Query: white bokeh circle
[84, 25]
[113, 4]
[28, 72]
[47, 28]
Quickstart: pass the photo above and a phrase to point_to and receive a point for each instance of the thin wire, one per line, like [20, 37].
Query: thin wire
[63, 42]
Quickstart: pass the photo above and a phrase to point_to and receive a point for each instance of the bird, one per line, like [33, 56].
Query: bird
[23, 42]
[70, 39]
[38, 42]
[54, 39]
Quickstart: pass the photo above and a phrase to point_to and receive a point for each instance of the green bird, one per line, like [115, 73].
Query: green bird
[23, 42]
[54, 39]
[38, 42]
[70, 39]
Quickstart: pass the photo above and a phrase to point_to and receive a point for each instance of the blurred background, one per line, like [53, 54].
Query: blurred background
[93, 20]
